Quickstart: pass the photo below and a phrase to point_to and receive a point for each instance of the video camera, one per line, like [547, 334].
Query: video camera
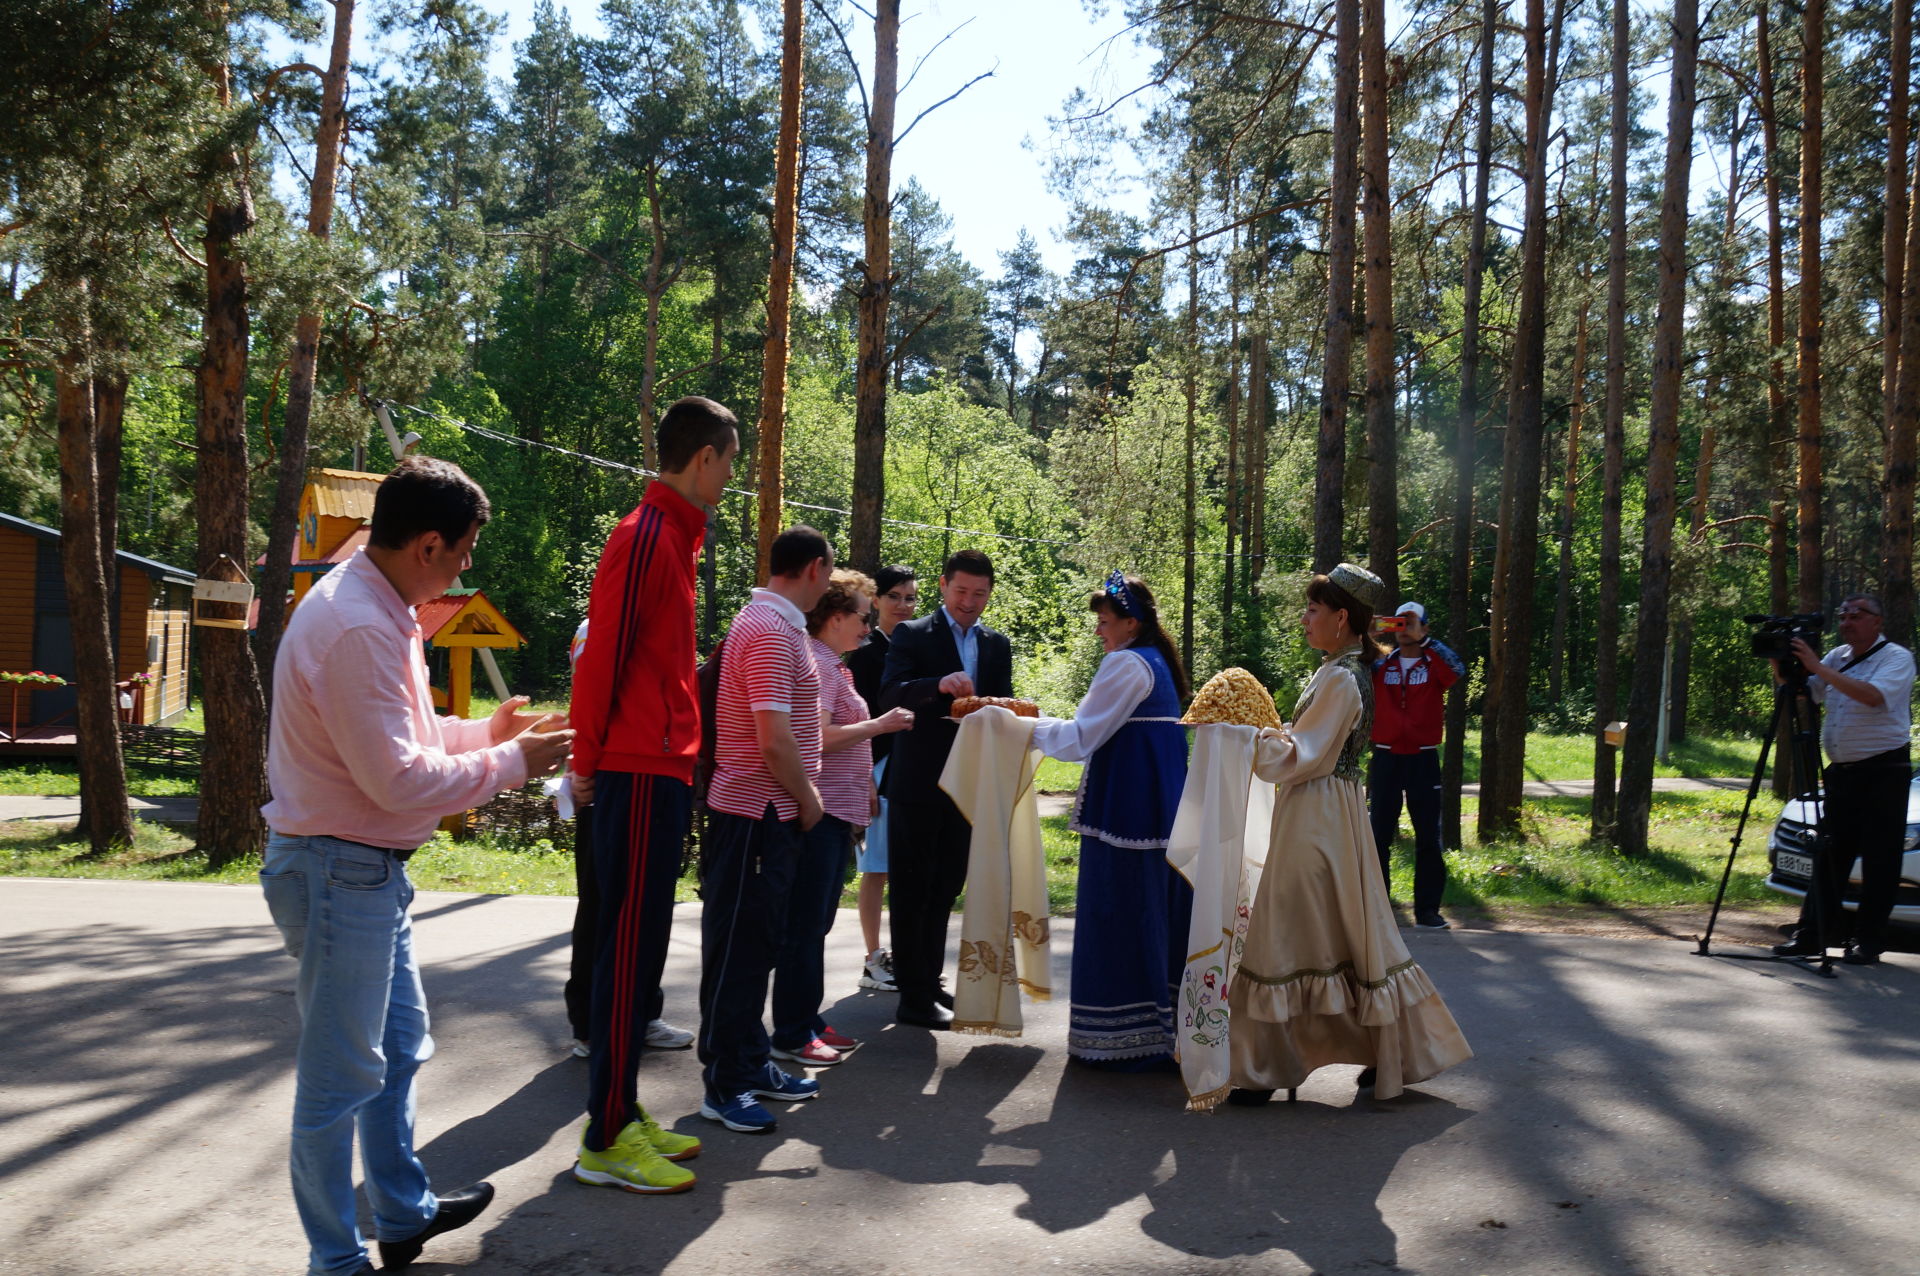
[1772, 636]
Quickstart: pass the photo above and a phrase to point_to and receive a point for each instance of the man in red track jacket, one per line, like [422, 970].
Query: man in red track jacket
[637, 717]
[1409, 708]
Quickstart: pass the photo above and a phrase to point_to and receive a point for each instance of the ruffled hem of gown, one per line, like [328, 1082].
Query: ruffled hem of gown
[1338, 991]
[1282, 1033]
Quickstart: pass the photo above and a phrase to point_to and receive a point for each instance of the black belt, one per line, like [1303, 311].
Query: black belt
[1892, 757]
[402, 856]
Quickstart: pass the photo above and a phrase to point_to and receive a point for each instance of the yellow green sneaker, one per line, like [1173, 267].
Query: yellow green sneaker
[632, 1165]
[671, 1146]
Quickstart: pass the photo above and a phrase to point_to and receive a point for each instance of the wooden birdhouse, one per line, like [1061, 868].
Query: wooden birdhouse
[222, 597]
[462, 621]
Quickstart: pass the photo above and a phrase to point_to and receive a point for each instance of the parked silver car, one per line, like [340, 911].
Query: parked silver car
[1790, 857]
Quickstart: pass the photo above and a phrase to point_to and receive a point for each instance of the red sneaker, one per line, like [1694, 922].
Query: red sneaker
[838, 1040]
[815, 1053]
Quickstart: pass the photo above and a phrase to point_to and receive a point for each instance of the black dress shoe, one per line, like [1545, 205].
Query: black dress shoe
[944, 997]
[1856, 956]
[936, 1016]
[1248, 1098]
[457, 1209]
[1366, 1078]
[1798, 946]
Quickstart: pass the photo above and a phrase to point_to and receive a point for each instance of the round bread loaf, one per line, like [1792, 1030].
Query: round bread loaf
[1236, 696]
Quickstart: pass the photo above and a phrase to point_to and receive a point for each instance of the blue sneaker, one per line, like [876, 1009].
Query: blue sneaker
[739, 1113]
[777, 1085]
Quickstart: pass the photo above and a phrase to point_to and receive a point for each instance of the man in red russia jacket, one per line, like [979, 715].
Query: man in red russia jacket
[637, 713]
[1409, 708]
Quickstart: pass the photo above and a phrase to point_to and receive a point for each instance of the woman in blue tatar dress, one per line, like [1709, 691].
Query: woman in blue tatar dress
[1131, 909]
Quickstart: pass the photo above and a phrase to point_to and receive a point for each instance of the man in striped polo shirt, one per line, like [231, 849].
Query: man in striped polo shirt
[635, 694]
[763, 798]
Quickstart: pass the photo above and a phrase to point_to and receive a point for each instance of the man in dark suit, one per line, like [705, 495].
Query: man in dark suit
[932, 660]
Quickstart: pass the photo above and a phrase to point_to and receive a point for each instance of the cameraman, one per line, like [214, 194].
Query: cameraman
[1409, 704]
[1865, 736]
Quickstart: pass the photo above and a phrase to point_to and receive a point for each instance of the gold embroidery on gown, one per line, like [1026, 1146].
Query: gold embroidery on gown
[1326, 977]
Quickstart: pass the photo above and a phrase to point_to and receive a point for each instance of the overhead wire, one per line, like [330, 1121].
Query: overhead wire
[604, 463]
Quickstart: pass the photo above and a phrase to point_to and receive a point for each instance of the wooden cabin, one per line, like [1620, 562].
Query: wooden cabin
[151, 621]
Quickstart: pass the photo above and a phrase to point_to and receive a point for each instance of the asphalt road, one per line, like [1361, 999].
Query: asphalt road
[1633, 1109]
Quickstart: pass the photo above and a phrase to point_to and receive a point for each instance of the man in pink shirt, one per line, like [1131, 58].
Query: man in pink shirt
[362, 770]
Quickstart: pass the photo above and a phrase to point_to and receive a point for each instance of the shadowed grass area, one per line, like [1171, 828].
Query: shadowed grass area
[1570, 757]
[158, 854]
[1552, 865]
[1555, 863]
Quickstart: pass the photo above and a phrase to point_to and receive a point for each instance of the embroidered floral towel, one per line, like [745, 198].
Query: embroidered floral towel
[1219, 844]
[1003, 932]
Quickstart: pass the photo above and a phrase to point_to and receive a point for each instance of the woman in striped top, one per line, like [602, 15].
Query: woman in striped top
[836, 625]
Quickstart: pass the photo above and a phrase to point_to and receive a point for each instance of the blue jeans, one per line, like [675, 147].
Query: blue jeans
[342, 910]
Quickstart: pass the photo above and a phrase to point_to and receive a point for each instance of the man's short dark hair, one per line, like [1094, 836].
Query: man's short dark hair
[425, 494]
[887, 578]
[796, 549]
[970, 561]
[689, 425]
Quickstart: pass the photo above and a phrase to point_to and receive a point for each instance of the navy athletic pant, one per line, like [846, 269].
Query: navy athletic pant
[1416, 776]
[745, 891]
[640, 826]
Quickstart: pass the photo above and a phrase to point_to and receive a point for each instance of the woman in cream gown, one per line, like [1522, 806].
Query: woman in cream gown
[1325, 977]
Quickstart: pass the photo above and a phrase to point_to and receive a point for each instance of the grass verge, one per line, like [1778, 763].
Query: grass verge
[1553, 866]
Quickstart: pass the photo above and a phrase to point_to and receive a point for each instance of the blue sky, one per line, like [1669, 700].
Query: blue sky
[982, 156]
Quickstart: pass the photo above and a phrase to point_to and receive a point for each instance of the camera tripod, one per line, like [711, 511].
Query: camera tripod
[1793, 709]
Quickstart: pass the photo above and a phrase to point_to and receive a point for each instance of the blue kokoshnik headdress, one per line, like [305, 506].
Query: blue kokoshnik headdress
[1116, 590]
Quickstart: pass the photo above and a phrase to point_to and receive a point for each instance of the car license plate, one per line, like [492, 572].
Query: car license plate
[1793, 865]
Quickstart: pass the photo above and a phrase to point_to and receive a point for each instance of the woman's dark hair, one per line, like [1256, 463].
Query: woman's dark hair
[425, 494]
[1151, 634]
[1359, 616]
[895, 574]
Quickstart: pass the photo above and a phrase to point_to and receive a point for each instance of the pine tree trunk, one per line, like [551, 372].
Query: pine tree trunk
[1259, 426]
[1383, 462]
[1189, 596]
[1669, 358]
[1902, 254]
[1810, 483]
[1896, 555]
[876, 294]
[109, 439]
[1506, 717]
[1569, 508]
[658, 280]
[105, 820]
[1329, 491]
[1229, 564]
[283, 523]
[1460, 595]
[773, 369]
[233, 766]
[1606, 663]
[1779, 411]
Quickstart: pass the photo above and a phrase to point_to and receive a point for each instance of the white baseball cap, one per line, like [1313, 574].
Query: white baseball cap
[1419, 612]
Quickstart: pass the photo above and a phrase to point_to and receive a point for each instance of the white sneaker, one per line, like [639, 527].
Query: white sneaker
[878, 974]
[580, 1049]
[662, 1035]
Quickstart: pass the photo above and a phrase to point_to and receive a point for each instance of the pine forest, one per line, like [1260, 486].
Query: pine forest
[1595, 326]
